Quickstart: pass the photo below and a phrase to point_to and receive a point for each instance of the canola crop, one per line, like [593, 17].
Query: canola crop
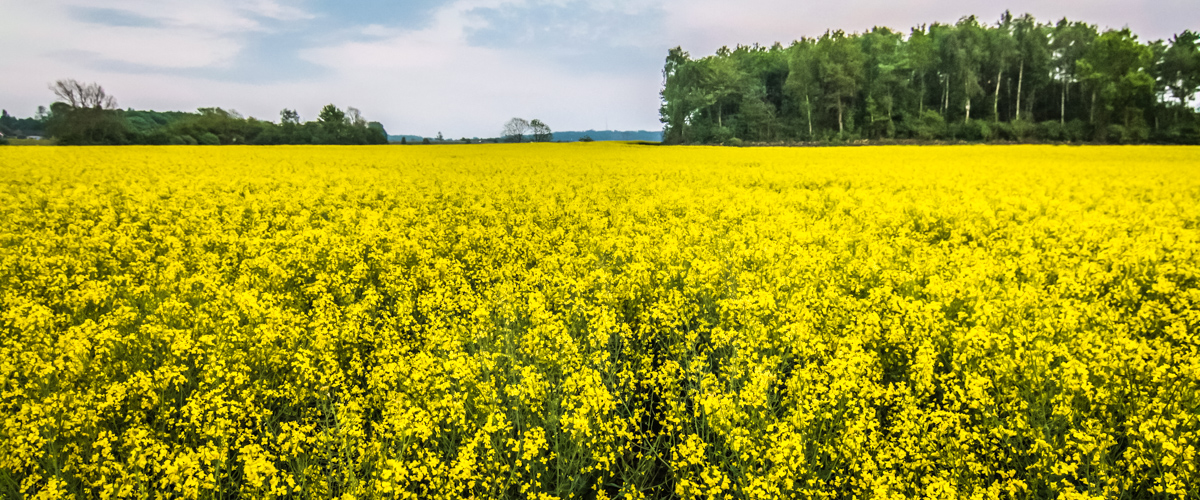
[599, 321]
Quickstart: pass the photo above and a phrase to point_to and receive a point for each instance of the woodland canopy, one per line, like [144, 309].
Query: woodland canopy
[1016, 80]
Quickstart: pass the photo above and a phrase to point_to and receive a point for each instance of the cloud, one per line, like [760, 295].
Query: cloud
[408, 14]
[440, 78]
[113, 17]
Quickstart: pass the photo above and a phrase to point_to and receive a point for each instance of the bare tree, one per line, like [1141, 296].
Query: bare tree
[541, 131]
[515, 129]
[354, 117]
[79, 95]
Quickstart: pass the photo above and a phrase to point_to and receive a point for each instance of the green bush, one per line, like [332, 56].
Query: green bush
[929, 126]
[734, 141]
[208, 139]
[1022, 130]
[974, 130]
[1077, 131]
[1051, 131]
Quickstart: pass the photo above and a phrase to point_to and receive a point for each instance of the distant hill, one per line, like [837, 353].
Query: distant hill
[610, 135]
[411, 138]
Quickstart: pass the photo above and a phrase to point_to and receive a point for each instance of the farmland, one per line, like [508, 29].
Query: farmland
[600, 321]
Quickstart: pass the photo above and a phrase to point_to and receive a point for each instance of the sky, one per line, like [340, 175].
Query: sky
[460, 67]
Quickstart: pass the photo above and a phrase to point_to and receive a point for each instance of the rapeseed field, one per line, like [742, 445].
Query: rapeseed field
[599, 321]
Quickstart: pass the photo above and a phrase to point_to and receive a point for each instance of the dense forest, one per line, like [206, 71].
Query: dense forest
[1017, 80]
[85, 115]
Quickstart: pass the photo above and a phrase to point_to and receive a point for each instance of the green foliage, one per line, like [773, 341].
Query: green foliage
[209, 139]
[929, 126]
[965, 81]
[207, 126]
[973, 130]
[331, 115]
[87, 126]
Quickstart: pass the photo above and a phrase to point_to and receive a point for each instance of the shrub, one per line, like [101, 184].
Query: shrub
[929, 126]
[1077, 131]
[1051, 131]
[208, 139]
[974, 130]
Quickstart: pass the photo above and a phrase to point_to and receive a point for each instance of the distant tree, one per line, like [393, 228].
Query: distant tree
[439, 137]
[967, 53]
[403, 140]
[86, 126]
[354, 117]
[681, 95]
[330, 114]
[376, 134]
[79, 95]
[425, 140]
[802, 84]
[1069, 43]
[1114, 69]
[541, 131]
[1002, 46]
[839, 62]
[515, 130]
[1181, 67]
[42, 114]
[289, 117]
[85, 114]
[586, 138]
[1035, 66]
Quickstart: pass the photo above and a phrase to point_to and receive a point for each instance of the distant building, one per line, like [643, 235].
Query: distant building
[35, 137]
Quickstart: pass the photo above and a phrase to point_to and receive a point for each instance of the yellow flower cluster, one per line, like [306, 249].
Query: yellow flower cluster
[600, 321]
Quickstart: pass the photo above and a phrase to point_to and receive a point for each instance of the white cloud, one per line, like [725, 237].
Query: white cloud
[275, 10]
[432, 80]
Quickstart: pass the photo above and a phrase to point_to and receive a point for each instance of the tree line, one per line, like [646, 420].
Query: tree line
[85, 114]
[1016, 80]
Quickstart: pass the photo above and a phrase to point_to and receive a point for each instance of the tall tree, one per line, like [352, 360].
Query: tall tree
[681, 95]
[1180, 71]
[1033, 59]
[839, 63]
[802, 83]
[920, 56]
[1115, 70]
[1069, 43]
[1002, 49]
[883, 75]
[968, 50]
